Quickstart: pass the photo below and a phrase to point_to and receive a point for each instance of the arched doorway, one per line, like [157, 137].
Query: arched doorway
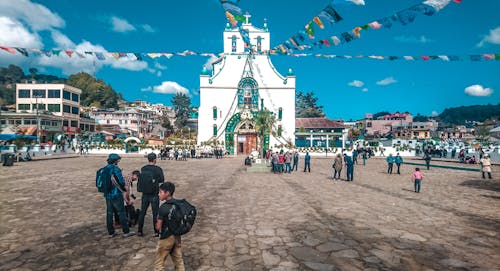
[246, 137]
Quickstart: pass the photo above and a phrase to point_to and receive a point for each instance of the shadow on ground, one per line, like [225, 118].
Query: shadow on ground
[482, 184]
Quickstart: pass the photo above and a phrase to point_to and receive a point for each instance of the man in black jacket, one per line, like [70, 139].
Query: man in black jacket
[150, 179]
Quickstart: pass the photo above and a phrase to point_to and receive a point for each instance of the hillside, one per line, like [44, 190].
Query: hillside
[459, 115]
[94, 92]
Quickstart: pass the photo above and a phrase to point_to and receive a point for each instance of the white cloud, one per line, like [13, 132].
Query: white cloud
[365, 89]
[121, 25]
[386, 81]
[147, 88]
[170, 87]
[210, 61]
[412, 39]
[159, 74]
[493, 37]
[37, 16]
[160, 67]
[434, 113]
[61, 40]
[148, 28]
[358, 2]
[16, 35]
[356, 83]
[478, 90]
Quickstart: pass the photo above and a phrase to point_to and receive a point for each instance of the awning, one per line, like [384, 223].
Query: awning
[8, 137]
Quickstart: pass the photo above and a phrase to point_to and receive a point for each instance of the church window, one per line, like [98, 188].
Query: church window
[214, 112]
[247, 95]
[215, 129]
[233, 44]
[280, 113]
[279, 130]
[259, 44]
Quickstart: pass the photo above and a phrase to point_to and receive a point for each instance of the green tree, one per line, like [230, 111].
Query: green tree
[264, 122]
[482, 134]
[33, 73]
[94, 92]
[306, 106]
[182, 109]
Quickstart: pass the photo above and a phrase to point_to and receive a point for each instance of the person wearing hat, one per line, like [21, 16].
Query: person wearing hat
[114, 199]
[485, 163]
[150, 179]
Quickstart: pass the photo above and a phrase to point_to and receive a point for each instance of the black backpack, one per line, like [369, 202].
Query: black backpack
[181, 217]
[103, 180]
[146, 183]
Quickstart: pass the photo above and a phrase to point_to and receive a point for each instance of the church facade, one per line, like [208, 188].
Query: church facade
[242, 82]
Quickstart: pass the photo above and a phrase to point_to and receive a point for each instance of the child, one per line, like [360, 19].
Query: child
[417, 179]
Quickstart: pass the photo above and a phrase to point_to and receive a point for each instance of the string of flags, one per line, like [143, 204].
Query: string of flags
[403, 17]
[144, 56]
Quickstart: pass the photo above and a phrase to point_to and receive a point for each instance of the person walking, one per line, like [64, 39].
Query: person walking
[417, 179]
[486, 165]
[399, 160]
[364, 157]
[390, 163]
[150, 178]
[114, 198]
[295, 160]
[288, 161]
[427, 158]
[307, 162]
[349, 168]
[337, 167]
[168, 244]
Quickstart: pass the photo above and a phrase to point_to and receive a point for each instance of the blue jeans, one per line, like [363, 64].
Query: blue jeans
[417, 185]
[350, 174]
[307, 166]
[288, 169]
[116, 203]
[147, 199]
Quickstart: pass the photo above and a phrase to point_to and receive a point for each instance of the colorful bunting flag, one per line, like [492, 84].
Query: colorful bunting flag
[8, 49]
[22, 51]
[69, 52]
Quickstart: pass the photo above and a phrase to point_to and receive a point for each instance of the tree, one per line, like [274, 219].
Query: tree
[94, 92]
[306, 106]
[482, 134]
[264, 122]
[380, 114]
[420, 118]
[33, 72]
[182, 108]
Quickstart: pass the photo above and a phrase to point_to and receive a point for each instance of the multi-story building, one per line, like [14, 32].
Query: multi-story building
[47, 109]
[134, 121]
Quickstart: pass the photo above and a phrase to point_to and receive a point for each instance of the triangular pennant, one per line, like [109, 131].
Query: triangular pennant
[8, 49]
[69, 53]
[22, 51]
[56, 52]
[318, 21]
[138, 56]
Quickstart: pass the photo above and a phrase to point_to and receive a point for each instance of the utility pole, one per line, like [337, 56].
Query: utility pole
[37, 121]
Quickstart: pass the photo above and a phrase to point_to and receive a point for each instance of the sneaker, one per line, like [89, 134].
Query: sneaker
[157, 234]
[112, 235]
[141, 234]
[131, 233]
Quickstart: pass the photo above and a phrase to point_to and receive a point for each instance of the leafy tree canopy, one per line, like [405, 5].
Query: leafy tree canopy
[182, 108]
[306, 106]
[94, 92]
[459, 115]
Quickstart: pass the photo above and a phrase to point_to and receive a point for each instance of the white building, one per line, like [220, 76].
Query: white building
[136, 122]
[240, 84]
[58, 99]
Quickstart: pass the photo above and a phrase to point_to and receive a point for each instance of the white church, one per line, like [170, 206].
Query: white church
[240, 84]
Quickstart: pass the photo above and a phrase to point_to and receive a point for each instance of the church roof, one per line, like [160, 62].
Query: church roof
[317, 123]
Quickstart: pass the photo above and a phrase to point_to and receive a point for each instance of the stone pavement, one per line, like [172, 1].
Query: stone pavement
[53, 218]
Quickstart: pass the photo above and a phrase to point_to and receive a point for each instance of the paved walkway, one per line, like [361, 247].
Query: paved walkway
[52, 218]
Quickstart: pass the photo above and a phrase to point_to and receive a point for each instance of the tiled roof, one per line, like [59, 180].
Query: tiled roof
[317, 123]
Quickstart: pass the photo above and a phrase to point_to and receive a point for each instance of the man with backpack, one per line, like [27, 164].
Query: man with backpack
[150, 179]
[110, 181]
[176, 217]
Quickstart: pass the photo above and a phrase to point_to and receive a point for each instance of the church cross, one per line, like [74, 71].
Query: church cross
[247, 16]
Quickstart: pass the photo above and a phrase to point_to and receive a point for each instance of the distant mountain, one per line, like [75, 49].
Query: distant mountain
[459, 115]
[94, 92]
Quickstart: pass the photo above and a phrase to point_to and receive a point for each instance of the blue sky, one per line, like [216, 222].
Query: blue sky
[347, 88]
